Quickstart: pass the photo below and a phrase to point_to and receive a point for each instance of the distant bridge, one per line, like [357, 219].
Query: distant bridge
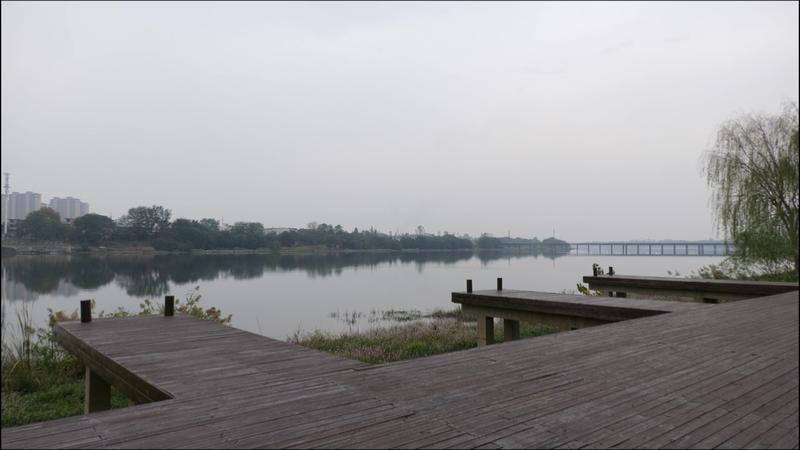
[652, 248]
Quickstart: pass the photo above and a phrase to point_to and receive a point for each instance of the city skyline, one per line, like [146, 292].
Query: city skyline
[70, 208]
[17, 205]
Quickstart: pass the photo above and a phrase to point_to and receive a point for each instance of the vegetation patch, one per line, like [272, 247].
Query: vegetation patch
[442, 332]
[735, 269]
[352, 318]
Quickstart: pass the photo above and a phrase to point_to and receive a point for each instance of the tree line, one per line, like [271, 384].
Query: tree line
[154, 224]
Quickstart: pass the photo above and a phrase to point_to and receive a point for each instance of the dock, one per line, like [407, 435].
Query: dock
[684, 289]
[649, 374]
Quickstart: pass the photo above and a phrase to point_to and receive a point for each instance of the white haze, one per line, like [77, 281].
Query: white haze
[588, 117]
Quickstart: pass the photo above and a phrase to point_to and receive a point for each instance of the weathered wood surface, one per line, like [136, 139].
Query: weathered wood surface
[607, 309]
[750, 289]
[718, 376]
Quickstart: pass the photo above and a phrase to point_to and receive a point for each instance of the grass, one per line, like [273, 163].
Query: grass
[444, 331]
[61, 398]
[41, 381]
[455, 313]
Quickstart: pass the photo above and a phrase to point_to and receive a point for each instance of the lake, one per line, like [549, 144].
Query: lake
[278, 295]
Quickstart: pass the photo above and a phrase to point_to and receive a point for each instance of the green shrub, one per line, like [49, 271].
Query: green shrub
[171, 245]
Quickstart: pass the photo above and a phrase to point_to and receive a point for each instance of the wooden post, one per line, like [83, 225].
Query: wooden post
[510, 330]
[499, 284]
[485, 330]
[86, 311]
[469, 286]
[169, 305]
[98, 393]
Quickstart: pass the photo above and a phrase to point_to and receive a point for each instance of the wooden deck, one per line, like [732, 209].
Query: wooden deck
[714, 376]
[563, 311]
[607, 309]
[686, 289]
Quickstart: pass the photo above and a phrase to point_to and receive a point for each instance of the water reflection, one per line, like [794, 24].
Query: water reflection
[26, 277]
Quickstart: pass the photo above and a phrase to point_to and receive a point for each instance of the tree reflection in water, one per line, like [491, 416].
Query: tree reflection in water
[149, 276]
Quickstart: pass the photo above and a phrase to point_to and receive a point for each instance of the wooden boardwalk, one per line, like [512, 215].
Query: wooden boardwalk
[701, 290]
[710, 376]
[600, 308]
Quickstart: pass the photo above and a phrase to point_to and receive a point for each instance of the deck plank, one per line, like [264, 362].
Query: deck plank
[692, 375]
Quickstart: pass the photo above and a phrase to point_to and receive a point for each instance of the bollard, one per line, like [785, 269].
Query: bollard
[86, 311]
[169, 305]
[499, 284]
[469, 286]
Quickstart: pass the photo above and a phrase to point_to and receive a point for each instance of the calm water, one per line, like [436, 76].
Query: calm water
[277, 295]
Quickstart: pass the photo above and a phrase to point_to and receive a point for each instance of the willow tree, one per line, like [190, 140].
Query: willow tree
[753, 172]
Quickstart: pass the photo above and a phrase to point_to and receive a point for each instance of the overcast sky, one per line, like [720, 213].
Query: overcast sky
[590, 118]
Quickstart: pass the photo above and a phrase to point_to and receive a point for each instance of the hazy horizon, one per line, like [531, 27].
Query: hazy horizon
[590, 118]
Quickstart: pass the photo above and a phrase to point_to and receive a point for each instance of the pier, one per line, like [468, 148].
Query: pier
[653, 374]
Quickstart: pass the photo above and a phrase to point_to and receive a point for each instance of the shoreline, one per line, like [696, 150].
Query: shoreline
[35, 249]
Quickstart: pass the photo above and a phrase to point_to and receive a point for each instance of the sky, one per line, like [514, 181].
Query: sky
[588, 118]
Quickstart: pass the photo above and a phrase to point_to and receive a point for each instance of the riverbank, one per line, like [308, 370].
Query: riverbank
[22, 247]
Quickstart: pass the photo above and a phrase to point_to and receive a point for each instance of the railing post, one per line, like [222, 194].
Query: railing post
[86, 311]
[169, 305]
[469, 286]
[499, 284]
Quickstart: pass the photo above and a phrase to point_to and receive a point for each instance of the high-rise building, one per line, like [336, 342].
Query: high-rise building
[18, 205]
[5, 215]
[69, 208]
